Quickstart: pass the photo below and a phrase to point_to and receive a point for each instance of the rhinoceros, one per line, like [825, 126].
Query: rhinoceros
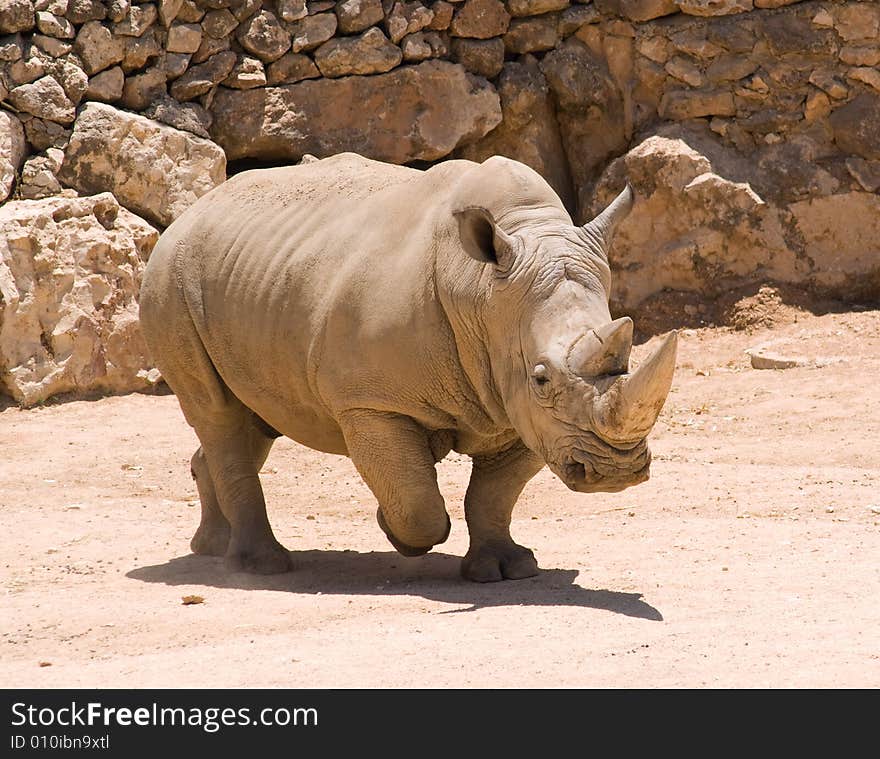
[392, 315]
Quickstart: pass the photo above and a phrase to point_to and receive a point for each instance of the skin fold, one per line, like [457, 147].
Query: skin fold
[392, 315]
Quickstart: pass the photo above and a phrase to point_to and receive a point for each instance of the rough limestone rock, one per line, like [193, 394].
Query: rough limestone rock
[645, 10]
[39, 175]
[44, 99]
[292, 10]
[16, 16]
[840, 234]
[55, 26]
[136, 21]
[139, 51]
[13, 150]
[247, 72]
[407, 18]
[420, 46]
[311, 32]
[152, 169]
[369, 53]
[480, 19]
[856, 126]
[358, 15]
[168, 10]
[714, 7]
[140, 90]
[188, 117]
[106, 86]
[71, 77]
[529, 132]
[81, 11]
[44, 134]
[590, 111]
[419, 112]
[531, 35]
[291, 68]
[535, 7]
[200, 78]
[481, 57]
[219, 23]
[699, 227]
[70, 270]
[117, 10]
[857, 21]
[691, 229]
[443, 13]
[210, 46]
[97, 48]
[263, 36]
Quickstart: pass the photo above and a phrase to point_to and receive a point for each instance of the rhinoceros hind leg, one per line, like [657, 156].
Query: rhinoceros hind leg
[495, 484]
[212, 536]
[234, 448]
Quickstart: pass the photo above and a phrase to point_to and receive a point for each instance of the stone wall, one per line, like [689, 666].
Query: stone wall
[750, 129]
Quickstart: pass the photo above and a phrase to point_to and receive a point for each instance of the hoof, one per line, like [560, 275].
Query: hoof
[403, 548]
[271, 560]
[496, 561]
[211, 541]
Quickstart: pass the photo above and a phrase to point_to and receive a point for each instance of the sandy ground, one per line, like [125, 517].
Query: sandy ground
[750, 559]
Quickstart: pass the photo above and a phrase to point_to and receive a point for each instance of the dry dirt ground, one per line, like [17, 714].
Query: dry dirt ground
[750, 559]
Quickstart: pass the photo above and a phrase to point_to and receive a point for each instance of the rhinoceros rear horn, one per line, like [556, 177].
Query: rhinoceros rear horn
[602, 228]
[628, 409]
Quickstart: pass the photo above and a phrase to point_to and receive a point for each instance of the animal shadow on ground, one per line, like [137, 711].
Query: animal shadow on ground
[385, 573]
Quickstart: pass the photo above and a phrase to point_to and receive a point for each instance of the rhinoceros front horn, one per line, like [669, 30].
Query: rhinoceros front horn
[627, 410]
[602, 228]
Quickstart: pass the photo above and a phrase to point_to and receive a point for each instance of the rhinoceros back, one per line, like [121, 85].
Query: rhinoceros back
[276, 264]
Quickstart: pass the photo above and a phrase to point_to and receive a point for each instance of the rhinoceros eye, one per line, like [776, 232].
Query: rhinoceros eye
[541, 377]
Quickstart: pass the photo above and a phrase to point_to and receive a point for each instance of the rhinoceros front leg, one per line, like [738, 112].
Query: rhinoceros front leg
[393, 455]
[495, 484]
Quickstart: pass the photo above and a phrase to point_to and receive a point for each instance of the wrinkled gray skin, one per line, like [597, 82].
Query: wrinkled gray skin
[392, 315]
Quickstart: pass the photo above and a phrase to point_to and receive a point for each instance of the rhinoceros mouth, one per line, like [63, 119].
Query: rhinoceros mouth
[599, 467]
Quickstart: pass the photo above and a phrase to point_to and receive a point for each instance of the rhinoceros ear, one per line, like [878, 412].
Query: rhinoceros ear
[483, 240]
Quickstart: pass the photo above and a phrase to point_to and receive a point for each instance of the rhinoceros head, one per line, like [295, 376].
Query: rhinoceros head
[561, 364]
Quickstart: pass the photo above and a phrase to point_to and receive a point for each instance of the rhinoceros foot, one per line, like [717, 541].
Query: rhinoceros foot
[268, 559]
[498, 560]
[211, 541]
[403, 548]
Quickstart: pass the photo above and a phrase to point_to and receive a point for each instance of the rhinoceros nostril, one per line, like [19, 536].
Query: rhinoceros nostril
[575, 471]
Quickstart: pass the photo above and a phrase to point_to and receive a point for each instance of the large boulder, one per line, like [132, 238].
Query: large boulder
[153, 169]
[709, 225]
[691, 229]
[420, 112]
[70, 271]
